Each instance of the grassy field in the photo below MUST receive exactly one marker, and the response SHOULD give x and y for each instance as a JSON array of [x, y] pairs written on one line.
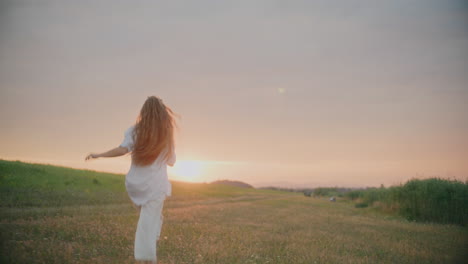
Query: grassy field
[[59, 215]]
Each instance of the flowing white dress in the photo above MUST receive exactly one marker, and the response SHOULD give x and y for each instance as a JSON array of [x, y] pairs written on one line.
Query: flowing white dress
[[144, 183], [147, 187]]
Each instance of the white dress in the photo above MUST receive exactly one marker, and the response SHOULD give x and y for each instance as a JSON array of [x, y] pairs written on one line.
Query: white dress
[[147, 187], [146, 183]]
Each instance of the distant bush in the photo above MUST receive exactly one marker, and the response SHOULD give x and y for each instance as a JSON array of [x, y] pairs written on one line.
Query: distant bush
[[330, 191], [434, 200], [361, 205], [321, 191], [283, 189], [372, 195], [437, 200]]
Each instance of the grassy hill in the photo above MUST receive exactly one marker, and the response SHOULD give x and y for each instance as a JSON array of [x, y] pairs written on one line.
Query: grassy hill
[[233, 183], [60, 215]]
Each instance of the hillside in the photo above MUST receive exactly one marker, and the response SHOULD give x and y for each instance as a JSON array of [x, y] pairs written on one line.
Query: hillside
[[59, 215], [233, 183]]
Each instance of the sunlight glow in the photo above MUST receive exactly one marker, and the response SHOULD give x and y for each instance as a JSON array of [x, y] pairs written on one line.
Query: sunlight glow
[[187, 170]]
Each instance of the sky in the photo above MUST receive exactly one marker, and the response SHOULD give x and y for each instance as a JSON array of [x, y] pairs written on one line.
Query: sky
[[273, 93]]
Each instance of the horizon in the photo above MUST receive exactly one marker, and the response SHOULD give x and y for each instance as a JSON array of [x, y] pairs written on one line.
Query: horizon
[[281, 185], [298, 93]]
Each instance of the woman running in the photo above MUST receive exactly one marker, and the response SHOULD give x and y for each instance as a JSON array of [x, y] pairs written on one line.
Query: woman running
[[151, 144]]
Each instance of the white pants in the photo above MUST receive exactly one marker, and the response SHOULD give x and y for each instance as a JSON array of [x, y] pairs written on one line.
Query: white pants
[[149, 229]]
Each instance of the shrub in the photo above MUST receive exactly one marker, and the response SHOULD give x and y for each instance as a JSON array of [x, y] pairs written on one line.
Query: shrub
[[433, 200], [361, 205], [436, 200]]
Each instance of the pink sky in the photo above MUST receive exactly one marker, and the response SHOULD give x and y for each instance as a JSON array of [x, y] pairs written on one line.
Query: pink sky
[[292, 94]]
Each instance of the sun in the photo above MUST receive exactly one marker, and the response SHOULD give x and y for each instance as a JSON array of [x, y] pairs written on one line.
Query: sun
[[187, 170]]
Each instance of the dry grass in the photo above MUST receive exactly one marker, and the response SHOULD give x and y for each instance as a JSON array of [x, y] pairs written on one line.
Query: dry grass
[[216, 224], [279, 228]]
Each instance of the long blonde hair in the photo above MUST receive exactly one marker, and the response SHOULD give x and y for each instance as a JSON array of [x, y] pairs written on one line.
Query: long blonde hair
[[154, 132]]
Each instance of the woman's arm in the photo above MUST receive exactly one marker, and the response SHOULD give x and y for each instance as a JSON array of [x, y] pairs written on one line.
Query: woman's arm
[[118, 151]]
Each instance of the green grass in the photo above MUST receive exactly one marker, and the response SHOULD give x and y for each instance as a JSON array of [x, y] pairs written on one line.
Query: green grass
[[23, 184], [59, 215], [428, 200]]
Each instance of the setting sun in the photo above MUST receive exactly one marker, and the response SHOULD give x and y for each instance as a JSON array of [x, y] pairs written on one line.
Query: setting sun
[[187, 170]]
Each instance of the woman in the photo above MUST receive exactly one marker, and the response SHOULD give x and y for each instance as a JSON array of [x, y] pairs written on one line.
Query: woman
[[151, 143]]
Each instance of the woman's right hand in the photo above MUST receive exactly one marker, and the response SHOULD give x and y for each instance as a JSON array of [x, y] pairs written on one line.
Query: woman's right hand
[[92, 156]]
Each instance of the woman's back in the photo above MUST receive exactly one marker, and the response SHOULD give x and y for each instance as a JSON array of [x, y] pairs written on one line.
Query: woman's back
[[145, 183]]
